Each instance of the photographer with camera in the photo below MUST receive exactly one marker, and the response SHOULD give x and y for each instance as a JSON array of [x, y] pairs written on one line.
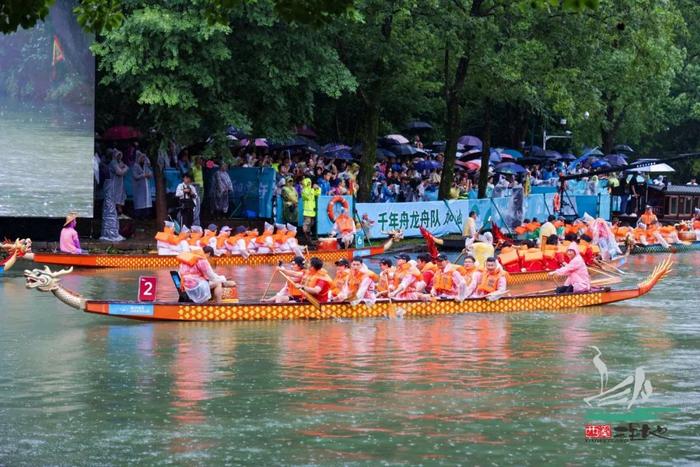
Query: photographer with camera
[[187, 194]]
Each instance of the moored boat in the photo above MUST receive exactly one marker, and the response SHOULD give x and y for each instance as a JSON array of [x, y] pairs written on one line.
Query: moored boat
[[48, 281], [658, 248]]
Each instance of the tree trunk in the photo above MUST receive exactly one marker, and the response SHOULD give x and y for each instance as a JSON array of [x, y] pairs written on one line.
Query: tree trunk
[[369, 151], [159, 177], [454, 119], [486, 151], [607, 132]]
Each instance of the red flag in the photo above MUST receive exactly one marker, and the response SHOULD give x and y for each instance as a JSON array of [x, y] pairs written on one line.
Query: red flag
[[57, 52], [432, 249]]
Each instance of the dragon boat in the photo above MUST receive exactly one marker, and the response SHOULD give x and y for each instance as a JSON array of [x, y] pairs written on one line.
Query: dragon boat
[[154, 261], [48, 281], [658, 248]]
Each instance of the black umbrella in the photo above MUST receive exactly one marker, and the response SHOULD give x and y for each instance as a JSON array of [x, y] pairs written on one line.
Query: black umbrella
[[298, 142], [623, 148], [382, 153], [405, 150], [418, 127]]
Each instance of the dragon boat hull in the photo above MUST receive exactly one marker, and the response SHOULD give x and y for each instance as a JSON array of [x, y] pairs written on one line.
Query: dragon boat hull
[[163, 261], [675, 248], [165, 311]]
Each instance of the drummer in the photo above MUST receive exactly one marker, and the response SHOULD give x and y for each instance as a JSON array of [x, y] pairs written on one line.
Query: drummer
[[345, 226], [290, 291]]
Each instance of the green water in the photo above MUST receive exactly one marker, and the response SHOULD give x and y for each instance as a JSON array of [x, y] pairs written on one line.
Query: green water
[[77, 389]]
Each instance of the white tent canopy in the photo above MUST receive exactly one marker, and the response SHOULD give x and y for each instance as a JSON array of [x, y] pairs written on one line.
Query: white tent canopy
[[656, 168]]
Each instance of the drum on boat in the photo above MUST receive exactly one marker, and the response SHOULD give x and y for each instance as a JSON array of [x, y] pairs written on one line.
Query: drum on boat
[[326, 244]]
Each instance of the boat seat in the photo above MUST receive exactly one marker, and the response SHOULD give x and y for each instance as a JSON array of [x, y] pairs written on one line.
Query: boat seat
[[177, 280]]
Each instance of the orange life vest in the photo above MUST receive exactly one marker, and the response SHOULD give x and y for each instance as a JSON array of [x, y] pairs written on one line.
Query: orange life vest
[[404, 270], [221, 239], [194, 238], [489, 281], [467, 274], [442, 282], [345, 223], [205, 239], [233, 240], [383, 283], [647, 219], [189, 258], [339, 281], [696, 224], [356, 278], [165, 235]]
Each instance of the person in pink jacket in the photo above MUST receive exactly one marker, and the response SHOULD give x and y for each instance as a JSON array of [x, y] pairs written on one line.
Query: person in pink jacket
[[576, 272], [68, 242]]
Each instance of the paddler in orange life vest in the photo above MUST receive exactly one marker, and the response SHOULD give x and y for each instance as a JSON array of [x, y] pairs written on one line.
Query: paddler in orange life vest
[[427, 269], [471, 274], [316, 281], [220, 241], [199, 279], [345, 226], [448, 282], [342, 272], [360, 284], [290, 292], [648, 218], [408, 281], [386, 276], [493, 281]]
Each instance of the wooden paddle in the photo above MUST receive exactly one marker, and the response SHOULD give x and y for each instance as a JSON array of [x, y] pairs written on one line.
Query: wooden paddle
[[269, 283], [306, 294], [596, 283]]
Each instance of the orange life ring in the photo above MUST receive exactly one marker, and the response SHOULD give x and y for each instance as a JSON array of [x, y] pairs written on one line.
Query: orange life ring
[[556, 202], [331, 206]]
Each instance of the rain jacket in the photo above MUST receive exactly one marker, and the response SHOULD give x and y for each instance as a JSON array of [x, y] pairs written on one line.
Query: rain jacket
[[575, 271], [308, 196]]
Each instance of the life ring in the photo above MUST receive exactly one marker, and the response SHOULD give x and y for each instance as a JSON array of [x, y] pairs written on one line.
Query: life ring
[[331, 206], [556, 202]]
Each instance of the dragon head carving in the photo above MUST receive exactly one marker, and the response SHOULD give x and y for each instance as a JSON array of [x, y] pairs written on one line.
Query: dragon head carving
[[21, 245], [44, 280]]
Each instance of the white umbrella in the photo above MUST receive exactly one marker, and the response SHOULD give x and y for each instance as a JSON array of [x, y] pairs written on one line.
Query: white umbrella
[[400, 139], [656, 168]]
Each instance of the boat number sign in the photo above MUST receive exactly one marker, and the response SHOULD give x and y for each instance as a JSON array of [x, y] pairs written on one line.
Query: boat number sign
[[147, 288]]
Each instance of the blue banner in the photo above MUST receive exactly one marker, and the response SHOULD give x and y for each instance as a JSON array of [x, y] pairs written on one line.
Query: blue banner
[[253, 190]]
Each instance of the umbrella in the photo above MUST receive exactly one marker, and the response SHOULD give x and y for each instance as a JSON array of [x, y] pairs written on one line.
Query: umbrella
[[623, 148], [509, 168], [549, 154], [334, 147], [344, 155], [567, 157], [536, 151], [121, 132], [507, 157], [427, 165], [616, 159], [494, 156], [298, 142], [235, 132], [259, 142], [656, 168], [305, 131], [418, 127], [404, 150], [390, 140], [469, 165], [599, 164], [382, 153], [514, 153], [468, 140], [470, 152], [592, 152]]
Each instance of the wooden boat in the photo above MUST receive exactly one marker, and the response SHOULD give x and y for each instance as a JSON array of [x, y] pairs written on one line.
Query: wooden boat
[[153, 261], [49, 281], [673, 248]]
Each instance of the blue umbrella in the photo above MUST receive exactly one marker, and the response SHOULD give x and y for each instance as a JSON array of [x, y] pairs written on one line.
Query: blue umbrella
[[592, 152], [567, 157], [403, 150], [427, 165], [623, 148], [334, 147], [513, 152], [509, 168], [468, 140], [616, 159], [550, 154], [600, 163], [344, 155], [536, 151], [494, 156]]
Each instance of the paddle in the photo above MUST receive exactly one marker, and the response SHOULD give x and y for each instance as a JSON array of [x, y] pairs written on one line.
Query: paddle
[[493, 296], [269, 283], [597, 283], [306, 294]]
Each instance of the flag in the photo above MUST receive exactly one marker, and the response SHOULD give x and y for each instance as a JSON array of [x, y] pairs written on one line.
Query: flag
[[57, 52]]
